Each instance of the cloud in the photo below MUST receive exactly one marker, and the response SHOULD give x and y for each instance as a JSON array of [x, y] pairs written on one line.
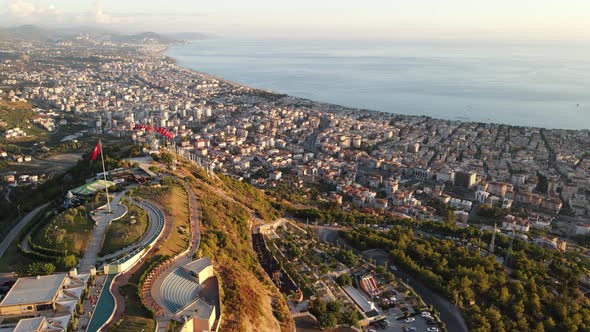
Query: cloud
[[25, 12], [101, 17], [23, 9], [20, 11]]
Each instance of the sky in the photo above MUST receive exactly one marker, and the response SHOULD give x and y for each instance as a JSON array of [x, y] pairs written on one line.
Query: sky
[[500, 19]]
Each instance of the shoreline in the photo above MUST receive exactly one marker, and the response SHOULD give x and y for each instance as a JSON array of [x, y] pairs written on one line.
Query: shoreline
[[344, 108]]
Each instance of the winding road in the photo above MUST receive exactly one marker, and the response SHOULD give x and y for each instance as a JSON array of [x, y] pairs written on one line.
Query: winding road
[[448, 313], [18, 227]]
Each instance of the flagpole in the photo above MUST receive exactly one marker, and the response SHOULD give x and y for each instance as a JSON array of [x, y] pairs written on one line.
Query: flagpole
[[104, 173]]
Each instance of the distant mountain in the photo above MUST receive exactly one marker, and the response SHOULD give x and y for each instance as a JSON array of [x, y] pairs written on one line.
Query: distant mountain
[[27, 32], [188, 36], [35, 33], [144, 37]]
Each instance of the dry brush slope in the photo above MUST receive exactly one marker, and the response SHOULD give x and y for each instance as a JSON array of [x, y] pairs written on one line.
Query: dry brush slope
[[250, 302]]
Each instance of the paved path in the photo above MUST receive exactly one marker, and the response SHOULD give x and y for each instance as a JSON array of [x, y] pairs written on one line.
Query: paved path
[[18, 227], [181, 259], [148, 235], [122, 279], [95, 290], [102, 218]]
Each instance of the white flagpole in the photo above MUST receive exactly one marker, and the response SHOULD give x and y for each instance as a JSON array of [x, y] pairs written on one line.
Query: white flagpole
[[104, 173]]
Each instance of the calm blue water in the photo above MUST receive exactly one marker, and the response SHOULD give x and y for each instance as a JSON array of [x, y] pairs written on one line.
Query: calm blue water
[[534, 84]]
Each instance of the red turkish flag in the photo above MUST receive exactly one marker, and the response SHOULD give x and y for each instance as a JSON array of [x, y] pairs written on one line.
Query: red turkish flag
[[96, 151]]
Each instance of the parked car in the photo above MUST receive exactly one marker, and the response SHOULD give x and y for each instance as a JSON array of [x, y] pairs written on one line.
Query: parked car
[[425, 314], [432, 329], [410, 319]]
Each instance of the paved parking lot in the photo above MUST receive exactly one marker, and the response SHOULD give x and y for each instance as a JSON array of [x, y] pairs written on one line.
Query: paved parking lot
[[398, 325]]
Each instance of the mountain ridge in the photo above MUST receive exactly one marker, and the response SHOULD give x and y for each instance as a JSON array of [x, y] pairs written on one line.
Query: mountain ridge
[[29, 32]]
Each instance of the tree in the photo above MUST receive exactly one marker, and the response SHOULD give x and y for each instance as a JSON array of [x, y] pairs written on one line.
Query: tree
[[450, 217], [334, 306], [328, 321], [167, 158], [347, 257], [38, 269], [542, 184], [70, 261], [351, 317], [504, 295], [167, 180], [344, 280]]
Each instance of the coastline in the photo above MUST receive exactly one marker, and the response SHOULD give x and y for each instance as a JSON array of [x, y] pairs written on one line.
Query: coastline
[[336, 107]]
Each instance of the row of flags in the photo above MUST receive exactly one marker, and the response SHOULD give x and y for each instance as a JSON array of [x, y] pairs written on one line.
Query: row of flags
[[160, 130]]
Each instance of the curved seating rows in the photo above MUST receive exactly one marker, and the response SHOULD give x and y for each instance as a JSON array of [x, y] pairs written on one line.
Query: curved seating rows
[[179, 289]]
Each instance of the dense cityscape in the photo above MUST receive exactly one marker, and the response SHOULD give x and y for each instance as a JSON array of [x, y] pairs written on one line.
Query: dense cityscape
[[366, 203]]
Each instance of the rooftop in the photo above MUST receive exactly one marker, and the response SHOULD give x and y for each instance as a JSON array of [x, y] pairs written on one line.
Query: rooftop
[[34, 290], [30, 324], [197, 308], [198, 265]]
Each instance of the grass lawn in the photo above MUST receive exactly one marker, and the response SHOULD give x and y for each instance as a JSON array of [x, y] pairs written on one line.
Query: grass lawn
[[13, 259], [136, 317], [69, 230], [125, 231], [174, 199]]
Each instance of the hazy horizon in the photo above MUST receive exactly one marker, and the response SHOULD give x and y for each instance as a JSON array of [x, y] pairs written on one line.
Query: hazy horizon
[[425, 19]]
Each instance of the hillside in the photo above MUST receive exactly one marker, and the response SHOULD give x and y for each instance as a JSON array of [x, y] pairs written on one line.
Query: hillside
[[250, 301], [15, 114], [27, 32], [188, 36], [39, 34], [144, 37]]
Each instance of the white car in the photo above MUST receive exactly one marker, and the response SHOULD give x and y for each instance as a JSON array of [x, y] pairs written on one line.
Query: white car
[[410, 319], [432, 329], [425, 314]]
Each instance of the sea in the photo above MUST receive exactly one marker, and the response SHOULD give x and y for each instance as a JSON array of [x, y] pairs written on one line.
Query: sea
[[538, 84]]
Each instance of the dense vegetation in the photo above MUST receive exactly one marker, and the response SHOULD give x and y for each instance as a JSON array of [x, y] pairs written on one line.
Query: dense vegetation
[[536, 291], [67, 232], [330, 314]]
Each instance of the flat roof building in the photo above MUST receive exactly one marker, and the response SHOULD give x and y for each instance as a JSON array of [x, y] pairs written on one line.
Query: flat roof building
[[52, 297]]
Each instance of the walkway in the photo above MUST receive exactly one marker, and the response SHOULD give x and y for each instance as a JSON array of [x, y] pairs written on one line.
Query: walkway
[[154, 292], [88, 306], [18, 227], [154, 228], [123, 279], [102, 218]]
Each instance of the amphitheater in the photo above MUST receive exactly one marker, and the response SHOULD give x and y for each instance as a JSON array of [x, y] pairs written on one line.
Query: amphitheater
[[190, 293]]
